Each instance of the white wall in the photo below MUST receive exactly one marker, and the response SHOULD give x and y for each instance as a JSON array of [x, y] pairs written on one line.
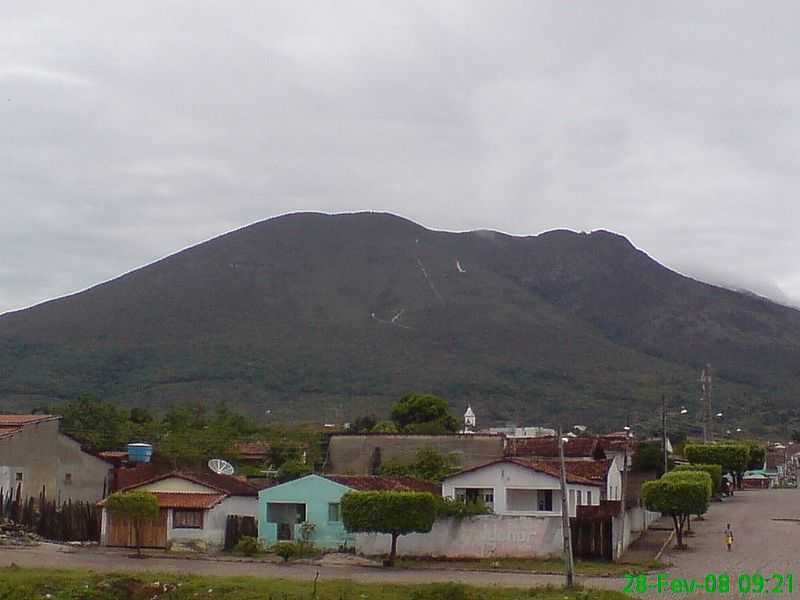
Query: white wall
[[478, 537], [177, 484], [212, 536], [614, 479], [637, 520], [505, 475]]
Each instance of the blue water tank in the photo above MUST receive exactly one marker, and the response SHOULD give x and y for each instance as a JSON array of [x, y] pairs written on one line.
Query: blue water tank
[[140, 453]]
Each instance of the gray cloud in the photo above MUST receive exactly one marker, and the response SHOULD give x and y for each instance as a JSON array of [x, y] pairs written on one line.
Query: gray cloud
[[129, 132]]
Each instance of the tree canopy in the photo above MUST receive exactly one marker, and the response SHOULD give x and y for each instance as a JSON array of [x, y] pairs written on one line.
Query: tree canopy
[[428, 465], [679, 496], [292, 469], [395, 513], [733, 458], [424, 413], [714, 471]]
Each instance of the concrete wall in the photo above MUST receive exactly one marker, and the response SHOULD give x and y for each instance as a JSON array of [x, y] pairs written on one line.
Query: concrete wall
[[212, 536], [354, 454], [637, 520], [45, 457], [88, 474], [478, 537], [502, 476], [316, 493]]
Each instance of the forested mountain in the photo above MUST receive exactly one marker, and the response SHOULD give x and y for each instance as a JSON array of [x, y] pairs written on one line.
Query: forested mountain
[[325, 317]]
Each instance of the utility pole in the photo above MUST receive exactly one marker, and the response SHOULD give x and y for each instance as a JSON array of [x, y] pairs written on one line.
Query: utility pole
[[705, 386], [664, 429], [569, 564]]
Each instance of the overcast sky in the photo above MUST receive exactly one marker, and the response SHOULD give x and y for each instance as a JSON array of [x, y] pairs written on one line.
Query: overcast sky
[[130, 130]]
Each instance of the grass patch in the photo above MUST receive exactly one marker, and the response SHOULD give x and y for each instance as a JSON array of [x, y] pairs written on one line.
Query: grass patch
[[533, 565], [30, 584]]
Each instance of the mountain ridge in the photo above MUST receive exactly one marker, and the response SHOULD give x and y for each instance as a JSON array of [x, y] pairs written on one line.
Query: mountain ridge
[[339, 314]]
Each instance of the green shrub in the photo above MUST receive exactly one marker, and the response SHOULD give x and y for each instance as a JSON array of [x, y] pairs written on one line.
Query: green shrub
[[249, 546], [286, 550], [447, 507], [715, 471]]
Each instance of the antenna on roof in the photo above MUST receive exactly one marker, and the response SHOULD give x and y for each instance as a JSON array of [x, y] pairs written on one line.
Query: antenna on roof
[[220, 466]]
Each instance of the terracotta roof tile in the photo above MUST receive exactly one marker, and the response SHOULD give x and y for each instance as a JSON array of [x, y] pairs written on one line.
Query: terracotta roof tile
[[12, 424], [22, 420], [185, 500], [547, 447], [130, 478], [366, 483], [551, 468], [252, 449]]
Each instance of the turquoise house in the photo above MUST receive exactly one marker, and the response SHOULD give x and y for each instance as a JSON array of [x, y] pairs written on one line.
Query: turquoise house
[[315, 499]]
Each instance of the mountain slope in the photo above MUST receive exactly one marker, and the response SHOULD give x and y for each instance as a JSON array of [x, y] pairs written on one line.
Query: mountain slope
[[323, 316]]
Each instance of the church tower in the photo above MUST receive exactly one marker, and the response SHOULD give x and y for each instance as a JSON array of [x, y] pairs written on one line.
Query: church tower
[[469, 420]]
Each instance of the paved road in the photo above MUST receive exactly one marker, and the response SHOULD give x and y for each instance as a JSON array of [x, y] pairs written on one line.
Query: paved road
[[761, 544]]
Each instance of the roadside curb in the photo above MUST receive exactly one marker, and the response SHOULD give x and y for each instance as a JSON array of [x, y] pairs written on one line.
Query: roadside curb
[[664, 546]]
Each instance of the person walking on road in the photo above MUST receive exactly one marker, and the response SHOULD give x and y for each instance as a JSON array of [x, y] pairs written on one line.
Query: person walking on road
[[728, 536]]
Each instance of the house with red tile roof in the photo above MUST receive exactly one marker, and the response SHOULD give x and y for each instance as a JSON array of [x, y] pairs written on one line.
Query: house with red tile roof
[[512, 486], [310, 505], [194, 508], [35, 456]]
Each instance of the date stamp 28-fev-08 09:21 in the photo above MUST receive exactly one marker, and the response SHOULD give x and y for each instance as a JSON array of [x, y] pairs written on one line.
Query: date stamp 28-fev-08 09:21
[[712, 583]]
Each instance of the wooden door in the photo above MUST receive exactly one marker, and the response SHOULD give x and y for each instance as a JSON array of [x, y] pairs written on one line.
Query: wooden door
[[154, 533]]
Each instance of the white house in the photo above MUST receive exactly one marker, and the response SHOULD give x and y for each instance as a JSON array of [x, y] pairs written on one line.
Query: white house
[[516, 487], [194, 511]]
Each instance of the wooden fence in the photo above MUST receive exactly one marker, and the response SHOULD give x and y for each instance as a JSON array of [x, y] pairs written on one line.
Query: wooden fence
[[237, 527], [70, 522]]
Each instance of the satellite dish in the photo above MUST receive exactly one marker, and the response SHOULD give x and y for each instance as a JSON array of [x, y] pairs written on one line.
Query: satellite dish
[[220, 466]]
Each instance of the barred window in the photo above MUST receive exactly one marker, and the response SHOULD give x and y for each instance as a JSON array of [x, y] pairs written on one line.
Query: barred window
[[187, 519]]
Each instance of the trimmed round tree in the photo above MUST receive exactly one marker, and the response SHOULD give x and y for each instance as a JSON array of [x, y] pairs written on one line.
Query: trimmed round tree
[[733, 458], [678, 496], [138, 507], [714, 471], [395, 513]]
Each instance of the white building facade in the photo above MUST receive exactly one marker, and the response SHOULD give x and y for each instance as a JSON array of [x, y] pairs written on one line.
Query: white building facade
[[512, 488]]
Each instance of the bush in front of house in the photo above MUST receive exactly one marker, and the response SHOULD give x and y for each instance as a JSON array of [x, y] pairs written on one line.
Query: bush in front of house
[[457, 509], [249, 546], [290, 550], [286, 550]]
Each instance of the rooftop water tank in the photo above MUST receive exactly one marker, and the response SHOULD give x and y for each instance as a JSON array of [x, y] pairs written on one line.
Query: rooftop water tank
[[140, 453]]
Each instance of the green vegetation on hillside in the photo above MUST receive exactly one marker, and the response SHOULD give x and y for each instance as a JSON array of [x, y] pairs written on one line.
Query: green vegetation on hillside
[[325, 317]]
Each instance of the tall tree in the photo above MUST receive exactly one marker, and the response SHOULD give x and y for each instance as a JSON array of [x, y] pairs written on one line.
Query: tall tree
[[95, 423], [424, 413]]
